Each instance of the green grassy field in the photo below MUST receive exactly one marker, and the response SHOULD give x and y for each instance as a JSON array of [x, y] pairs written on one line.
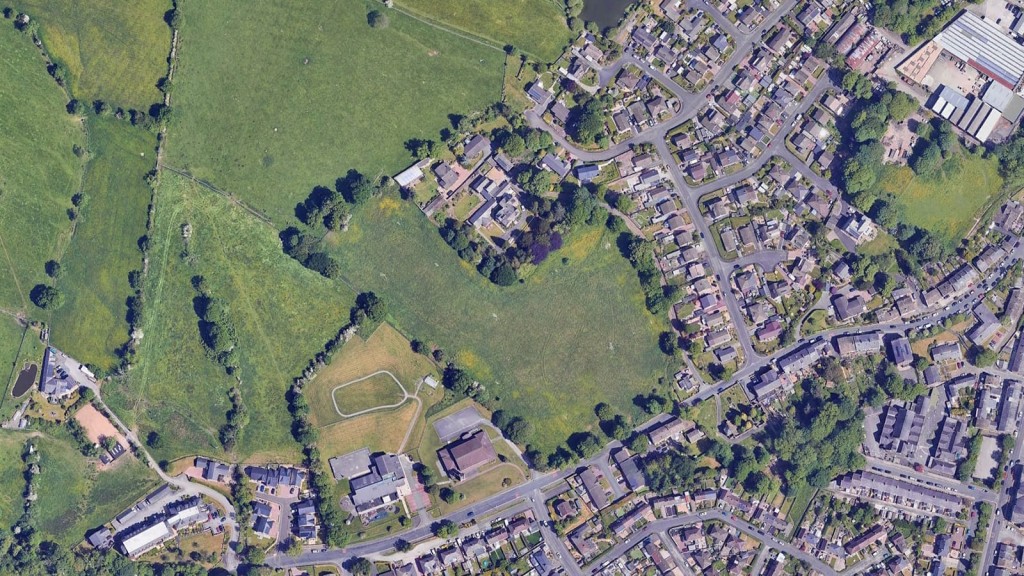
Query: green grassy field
[[323, 93], [115, 51], [282, 313], [74, 497], [104, 249], [38, 171], [576, 330], [385, 349], [534, 26], [378, 390], [946, 206], [12, 481]]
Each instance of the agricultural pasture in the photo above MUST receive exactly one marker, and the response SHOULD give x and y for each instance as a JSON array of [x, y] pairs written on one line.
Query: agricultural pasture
[[536, 27], [114, 51], [572, 330], [38, 170], [324, 93], [946, 205], [12, 479], [385, 349], [375, 391], [74, 497], [104, 248], [282, 314]]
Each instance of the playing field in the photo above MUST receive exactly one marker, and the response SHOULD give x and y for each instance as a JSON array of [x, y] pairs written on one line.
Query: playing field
[[75, 498], [533, 26], [38, 171], [572, 331], [946, 206], [385, 349], [282, 313], [323, 93], [375, 391], [104, 249], [115, 51]]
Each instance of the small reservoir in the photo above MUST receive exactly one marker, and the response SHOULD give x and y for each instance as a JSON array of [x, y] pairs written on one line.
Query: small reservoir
[[26, 378], [604, 13]]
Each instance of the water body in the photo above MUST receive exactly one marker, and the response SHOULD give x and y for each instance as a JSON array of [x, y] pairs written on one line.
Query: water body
[[604, 13], [25, 380]]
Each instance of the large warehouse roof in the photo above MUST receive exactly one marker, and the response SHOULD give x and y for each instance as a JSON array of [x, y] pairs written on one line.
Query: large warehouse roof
[[985, 47]]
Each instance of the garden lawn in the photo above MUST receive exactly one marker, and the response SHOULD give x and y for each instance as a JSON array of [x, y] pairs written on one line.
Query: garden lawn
[[38, 170], [377, 390], [91, 325], [324, 93], [948, 205], [385, 349], [534, 26], [571, 336], [74, 497], [115, 51], [283, 315]]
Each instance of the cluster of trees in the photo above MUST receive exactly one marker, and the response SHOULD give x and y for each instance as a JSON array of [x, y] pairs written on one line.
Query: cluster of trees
[[216, 330], [914, 20], [863, 169], [369, 311], [237, 418], [520, 141], [490, 263], [1011, 159], [587, 119], [576, 206], [305, 249], [512, 427], [965, 469], [640, 254], [819, 435], [674, 470]]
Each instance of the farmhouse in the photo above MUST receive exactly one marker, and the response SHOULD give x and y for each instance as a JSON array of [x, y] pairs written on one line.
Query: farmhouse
[[464, 457]]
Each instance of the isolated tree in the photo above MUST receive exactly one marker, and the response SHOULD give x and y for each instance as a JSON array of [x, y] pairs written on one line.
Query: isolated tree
[[377, 19], [444, 529], [361, 567], [46, 297], [154, 440], [53, 269], [504, 275]]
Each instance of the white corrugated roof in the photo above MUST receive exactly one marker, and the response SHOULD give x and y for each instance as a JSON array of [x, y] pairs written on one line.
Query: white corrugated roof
[[973, 39]]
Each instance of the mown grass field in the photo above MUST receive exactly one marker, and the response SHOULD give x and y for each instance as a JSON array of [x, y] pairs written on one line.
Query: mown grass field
[[282, 313], [385, 349], [377, 390], [570, 331], [38, 170], [74, 497], [104, 249], [323, 93], [534, 26], [115, 51], [946, 205]]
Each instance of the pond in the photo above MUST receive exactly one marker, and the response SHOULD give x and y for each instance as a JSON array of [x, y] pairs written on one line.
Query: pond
[[25, 380], [604, 13]]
